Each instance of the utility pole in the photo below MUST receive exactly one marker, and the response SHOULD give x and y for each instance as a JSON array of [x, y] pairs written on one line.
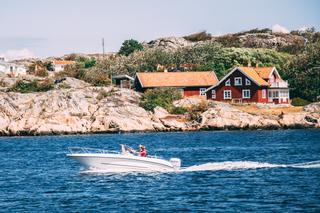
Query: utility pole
[[103, 47]]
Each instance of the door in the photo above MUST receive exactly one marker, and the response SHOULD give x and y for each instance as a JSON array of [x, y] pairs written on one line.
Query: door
[[270, 97]]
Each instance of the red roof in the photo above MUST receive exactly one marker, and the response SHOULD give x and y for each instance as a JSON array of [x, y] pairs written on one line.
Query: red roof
[[61, 62], [264, 72], [254, 75], [176, 79]]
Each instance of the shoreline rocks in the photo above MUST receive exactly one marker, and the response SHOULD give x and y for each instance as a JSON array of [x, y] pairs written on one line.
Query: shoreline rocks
[[91, 110]]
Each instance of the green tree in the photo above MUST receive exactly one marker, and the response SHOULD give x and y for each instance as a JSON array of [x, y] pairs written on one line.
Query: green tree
[[130, 46], [304, 73]]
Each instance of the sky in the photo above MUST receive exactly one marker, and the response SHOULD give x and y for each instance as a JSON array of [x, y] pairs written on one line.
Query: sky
[[42, 28]]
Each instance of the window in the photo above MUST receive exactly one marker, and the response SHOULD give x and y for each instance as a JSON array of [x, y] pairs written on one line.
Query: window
[[246, 93], [202, 91], [228, 82], [284, 94], [274, 94], [227, 94], [213, 94], [264, 93], [237, 81], [248, 82]]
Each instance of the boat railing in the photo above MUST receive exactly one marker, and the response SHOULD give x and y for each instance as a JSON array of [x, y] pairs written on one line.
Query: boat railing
[[83, 150]]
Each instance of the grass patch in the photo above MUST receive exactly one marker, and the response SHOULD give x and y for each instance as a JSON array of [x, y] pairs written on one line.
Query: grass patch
[[253, 109]]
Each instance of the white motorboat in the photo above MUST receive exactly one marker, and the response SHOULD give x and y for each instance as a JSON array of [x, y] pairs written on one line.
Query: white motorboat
[[124, 161]]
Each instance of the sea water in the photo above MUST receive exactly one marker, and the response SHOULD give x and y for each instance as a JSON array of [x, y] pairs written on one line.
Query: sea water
[[227, 171]]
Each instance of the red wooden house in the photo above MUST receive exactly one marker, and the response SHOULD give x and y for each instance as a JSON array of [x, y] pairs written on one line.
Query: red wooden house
[[251, 84], [190, 83]]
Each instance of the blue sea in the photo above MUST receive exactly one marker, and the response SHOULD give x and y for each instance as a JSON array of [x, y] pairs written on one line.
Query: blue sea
[[224, 171]]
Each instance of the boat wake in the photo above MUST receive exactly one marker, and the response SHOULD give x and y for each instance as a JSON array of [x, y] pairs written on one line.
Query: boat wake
[[225, 166], [245, 165]]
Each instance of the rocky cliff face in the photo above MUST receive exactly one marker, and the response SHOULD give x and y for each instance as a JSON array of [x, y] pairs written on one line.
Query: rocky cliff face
[[107, 109], [255, 40]]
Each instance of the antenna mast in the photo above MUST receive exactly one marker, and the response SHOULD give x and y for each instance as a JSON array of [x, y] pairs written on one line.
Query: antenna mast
[[103, 47]]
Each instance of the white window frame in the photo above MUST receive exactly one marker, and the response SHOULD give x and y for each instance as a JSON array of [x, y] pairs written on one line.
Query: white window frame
[[227, 83], [248, 82], [202, 91], [244, 95], [213, 94], [238, 83], [225, 96], [264, 93]]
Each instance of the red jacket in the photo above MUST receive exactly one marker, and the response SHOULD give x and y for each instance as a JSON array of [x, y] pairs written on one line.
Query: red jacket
[[143, 153]]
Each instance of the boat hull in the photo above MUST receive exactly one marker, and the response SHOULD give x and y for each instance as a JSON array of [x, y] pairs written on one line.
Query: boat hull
[[122, 163]]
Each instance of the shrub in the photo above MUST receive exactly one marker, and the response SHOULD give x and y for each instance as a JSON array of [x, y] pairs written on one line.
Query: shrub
[[103, 94], [299, 102], [195, 111], [255, 31], [96, 78], [39, 68], [41, 73], [33, 86], [200, 36], [177, 110], [162, 97], [89, 63]]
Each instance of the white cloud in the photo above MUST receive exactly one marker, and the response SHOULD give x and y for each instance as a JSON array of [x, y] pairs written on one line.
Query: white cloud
[[279, 29], [14, 54]]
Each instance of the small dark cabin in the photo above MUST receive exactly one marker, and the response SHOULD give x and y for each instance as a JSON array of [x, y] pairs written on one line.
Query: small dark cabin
[[122, 81]]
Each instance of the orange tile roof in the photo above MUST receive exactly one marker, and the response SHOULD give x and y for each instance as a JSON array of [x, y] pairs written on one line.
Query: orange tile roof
[[263, 72], [61, 62], [253, 74], [176, 79]]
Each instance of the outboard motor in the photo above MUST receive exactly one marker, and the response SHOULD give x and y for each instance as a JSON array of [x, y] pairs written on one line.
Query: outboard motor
[[176, 163]]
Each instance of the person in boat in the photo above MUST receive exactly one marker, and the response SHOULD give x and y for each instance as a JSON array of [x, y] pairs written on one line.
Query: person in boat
[[142, 151]]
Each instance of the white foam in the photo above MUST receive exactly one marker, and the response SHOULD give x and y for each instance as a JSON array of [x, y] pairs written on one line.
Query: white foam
[[230, 165], [226, 166], [308, 165], [244, 165]]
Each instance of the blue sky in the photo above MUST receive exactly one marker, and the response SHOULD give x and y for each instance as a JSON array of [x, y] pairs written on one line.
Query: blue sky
[[56, 27]]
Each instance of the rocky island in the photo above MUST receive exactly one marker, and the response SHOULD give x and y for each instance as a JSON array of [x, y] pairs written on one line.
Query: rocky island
[[83, 109], [75, 93]]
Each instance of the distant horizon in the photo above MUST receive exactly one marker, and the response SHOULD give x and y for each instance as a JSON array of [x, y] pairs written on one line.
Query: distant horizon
[[54, 28]]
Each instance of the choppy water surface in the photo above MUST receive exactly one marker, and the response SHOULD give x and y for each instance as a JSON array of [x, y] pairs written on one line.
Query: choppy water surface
[[275, 171]]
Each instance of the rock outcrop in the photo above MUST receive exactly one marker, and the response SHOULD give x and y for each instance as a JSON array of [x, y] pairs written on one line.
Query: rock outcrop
[[168, 43], [87, 109], [224, 116], [250, 40]]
